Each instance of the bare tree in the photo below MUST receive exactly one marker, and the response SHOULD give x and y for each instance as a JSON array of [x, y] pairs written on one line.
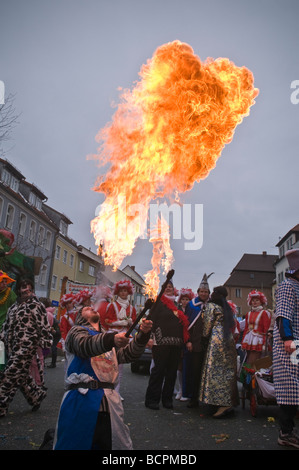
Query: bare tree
[[8, 118]]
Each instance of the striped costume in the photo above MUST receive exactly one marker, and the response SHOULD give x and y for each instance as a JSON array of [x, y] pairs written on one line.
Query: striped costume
[[286, 367], [92, 357]]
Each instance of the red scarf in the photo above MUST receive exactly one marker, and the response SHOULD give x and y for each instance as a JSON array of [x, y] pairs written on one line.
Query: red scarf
[[178, 313]]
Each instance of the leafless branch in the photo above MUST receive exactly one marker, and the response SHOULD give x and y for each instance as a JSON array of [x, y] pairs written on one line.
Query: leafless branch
[[8, 118]]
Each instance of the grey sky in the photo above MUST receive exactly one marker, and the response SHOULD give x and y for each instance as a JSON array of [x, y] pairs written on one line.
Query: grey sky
[[65, 60]]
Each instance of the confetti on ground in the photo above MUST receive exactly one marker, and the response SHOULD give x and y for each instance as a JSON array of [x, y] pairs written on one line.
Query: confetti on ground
[[34, 444], [220, 437]]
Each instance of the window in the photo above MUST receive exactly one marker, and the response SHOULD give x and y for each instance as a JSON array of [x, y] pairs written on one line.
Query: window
[[91, 270], [280, 277], [1, 206], [14, 184], [6, 177], [239, 293], [64, 257], [81, 266], [9, 216], [58, 250], [48, 240], [71, 260], [289, 243], [22, 224], [54, 282], [35, 201], [63, 227], [32, 231], [41, 236], [32, 199], [43, 275], [281, 251], [38, 203]]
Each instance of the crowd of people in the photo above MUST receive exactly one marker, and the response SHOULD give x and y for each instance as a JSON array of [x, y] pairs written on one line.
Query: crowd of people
[[196, 341]]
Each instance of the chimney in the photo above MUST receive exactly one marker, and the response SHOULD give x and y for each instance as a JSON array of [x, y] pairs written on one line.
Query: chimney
[[133, 267], [264, 253]]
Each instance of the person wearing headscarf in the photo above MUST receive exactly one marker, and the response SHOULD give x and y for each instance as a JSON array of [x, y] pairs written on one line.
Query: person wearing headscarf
[[219, 373], [91, 415], [195, 348], [257, 323], [285, 356]]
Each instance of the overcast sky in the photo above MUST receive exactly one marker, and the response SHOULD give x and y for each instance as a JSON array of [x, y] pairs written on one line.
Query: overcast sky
[[65, 60]]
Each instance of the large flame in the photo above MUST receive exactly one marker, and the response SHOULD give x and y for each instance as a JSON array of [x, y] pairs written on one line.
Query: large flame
[[166, 134], [162, 255]]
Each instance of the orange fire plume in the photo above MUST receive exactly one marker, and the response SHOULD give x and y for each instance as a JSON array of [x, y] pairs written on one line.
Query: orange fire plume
[[166, 134], [162, 255]]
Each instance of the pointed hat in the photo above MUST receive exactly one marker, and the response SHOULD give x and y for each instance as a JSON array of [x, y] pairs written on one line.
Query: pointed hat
[[204, 282]]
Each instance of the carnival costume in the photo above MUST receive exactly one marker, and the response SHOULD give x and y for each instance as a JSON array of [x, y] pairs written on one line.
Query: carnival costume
[[68, 318], [193, 361], [170, 332], [219, 373], [103, 297], [120, 314], [92, 371], [257, 323], [7, 297], [25, 330]]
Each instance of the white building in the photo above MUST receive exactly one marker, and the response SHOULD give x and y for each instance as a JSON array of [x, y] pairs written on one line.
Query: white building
[[288, 242]]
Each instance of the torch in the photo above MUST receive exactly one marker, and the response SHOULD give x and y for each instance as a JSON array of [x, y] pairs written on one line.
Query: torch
[[150, 304]]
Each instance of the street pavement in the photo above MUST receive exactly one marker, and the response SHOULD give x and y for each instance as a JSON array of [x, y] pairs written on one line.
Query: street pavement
[[163, 430]]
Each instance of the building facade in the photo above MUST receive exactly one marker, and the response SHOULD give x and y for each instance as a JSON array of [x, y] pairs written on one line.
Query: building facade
[[253, 271], [288, 242], [22, 214]]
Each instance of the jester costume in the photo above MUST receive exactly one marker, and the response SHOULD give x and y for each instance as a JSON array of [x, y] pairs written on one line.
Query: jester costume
[[91, 412]]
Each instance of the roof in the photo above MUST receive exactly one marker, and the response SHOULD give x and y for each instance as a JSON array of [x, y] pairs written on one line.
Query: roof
[[283, 239], [35, 189], [12, 168], [252, 262], [130, 271], [254, 271], [21, 199]]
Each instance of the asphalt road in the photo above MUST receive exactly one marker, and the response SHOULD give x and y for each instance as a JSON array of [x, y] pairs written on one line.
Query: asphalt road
[[180, 429]]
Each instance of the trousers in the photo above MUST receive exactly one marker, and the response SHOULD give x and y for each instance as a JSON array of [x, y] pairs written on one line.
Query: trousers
[[17, 376], [163, 374], [287, 414]]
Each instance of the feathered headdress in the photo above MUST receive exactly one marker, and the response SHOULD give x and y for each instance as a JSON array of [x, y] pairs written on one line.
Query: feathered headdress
[[125, 283], [256, 293], [67, 298], [186, 292]]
